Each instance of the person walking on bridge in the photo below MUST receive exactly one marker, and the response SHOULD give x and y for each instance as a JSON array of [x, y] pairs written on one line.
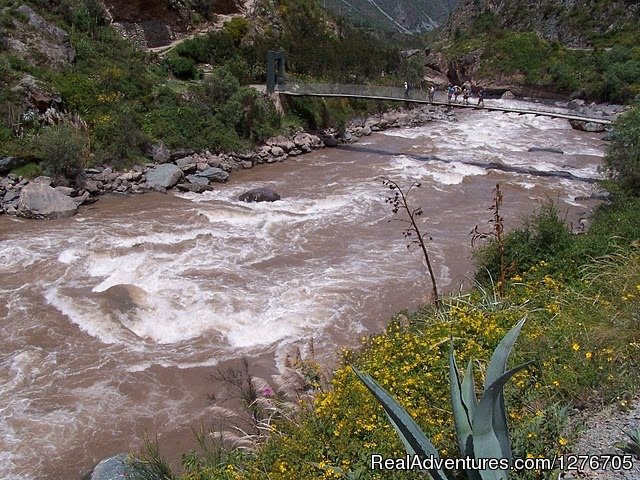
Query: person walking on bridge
[[432, 93], [481, 97], [406, 90], [465, 95]]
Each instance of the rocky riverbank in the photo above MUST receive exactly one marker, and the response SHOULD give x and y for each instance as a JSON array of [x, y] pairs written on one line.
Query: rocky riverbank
[[184, 170]]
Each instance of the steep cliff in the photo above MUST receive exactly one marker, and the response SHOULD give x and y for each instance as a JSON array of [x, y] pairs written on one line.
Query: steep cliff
[[405, 16]]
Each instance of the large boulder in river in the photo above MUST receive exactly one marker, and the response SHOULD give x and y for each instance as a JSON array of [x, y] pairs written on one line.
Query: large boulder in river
[[114, 468], [259, 195], [166, 175], [38, 200]]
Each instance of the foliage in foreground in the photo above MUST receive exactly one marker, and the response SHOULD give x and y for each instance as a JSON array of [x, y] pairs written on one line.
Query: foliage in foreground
[[581, 334], [481, 425]]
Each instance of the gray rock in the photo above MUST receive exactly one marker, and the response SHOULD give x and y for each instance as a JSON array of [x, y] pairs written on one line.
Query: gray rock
[[197, 180], [84, 198], [575, 104], [609, 136], [68, 191], [9, 163], [366, 130], [277, 151], [214, 174], [550, 150], [42, 180], [41, 201], [41, 24], [181, 153], [508, 95], [166, 176], [187, 163], [193, 187], [602, 195], [160, 153], [114, 468], [10, 199], [328, 140], [586, 126], [259, 195], [91, 186]]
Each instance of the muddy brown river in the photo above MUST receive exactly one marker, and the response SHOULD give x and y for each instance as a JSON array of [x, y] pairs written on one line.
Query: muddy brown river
[[113, 320]]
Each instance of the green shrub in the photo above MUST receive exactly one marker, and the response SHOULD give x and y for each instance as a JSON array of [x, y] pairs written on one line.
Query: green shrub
[[218, 87], [183, 68], [543, 235], [236, 28], [196, 48], [623, 157], [118, 137], [258, 118], [63, 150]]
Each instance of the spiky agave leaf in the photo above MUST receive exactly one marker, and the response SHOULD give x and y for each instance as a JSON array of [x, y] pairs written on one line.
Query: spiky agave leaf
[[464, 402], [415, 441], [486, 443], [497, 367], [461, 416], [469, 390]]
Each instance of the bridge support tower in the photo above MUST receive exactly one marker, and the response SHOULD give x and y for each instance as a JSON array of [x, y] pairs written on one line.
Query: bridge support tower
[[275, 70]]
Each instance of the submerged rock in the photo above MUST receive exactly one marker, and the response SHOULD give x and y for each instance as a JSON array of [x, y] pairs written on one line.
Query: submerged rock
[[259, 195], [194, 187], [550, 150], [38, 200]]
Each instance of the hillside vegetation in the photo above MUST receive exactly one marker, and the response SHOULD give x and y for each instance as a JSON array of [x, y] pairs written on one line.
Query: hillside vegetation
[[586, 48], [121, 99]]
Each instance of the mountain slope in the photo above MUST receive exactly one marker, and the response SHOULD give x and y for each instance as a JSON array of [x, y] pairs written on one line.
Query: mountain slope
[[405, 16], [574, 23], [585, 48]]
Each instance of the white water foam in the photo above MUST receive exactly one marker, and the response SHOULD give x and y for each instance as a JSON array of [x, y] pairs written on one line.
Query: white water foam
[[444, 173]]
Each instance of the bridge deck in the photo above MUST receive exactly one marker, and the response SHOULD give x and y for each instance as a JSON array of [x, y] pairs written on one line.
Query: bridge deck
[[412, 99]]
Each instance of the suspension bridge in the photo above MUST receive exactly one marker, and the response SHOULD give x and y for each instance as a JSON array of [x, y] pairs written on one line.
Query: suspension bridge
[[398, 94]]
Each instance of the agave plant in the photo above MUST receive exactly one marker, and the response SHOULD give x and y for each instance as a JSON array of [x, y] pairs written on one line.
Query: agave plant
[[481, 425], [631, 446]]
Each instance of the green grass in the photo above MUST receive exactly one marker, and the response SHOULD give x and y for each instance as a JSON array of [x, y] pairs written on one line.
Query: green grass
[[30, 171]]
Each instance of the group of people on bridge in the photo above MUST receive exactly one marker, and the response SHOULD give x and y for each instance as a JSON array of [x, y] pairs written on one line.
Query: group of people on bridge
[[453, 93]]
